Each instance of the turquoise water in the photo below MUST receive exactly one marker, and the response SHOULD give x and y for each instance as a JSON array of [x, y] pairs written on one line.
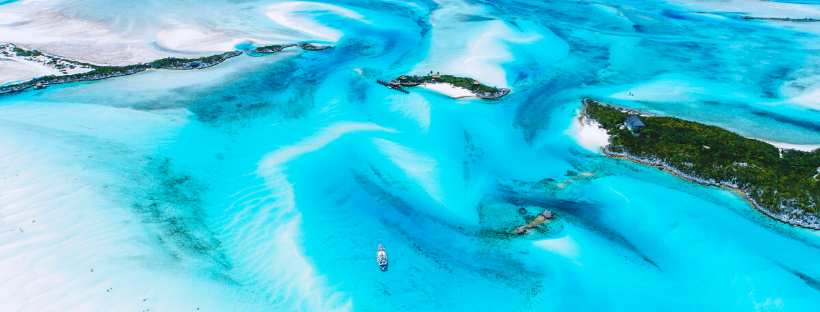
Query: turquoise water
[[272, 179]]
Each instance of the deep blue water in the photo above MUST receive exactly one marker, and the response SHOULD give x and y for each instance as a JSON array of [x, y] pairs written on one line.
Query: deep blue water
[[274, 178]]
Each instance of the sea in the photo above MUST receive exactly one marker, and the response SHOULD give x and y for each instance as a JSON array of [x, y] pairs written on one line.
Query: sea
[[266, 183]]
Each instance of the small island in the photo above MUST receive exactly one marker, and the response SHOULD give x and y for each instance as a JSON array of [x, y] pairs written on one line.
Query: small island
[[782, 184], [471, 86], [271, 48], [307, 46], [781, 19]]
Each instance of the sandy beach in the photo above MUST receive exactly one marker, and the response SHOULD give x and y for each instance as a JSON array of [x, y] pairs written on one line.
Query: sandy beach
[[588, 134], [799, 147], [448, 89], [18, 68], [13, 70]]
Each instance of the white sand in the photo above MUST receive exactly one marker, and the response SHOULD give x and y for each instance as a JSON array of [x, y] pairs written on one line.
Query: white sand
[[799, 147], [44, 28], [588, 134], [62, 214], [809, 99], [199, 40], [591, 136], [480, 49], [296, 15], [448, 89], [14, 70]]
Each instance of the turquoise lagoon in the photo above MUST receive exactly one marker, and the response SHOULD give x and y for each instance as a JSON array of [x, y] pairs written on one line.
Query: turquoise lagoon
[[266, 183]]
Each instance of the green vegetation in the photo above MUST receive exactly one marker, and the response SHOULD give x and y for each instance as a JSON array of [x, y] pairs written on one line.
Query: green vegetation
[[461, 82], [172, 62], [272, 48], [778, 184], [101, 72], [24, 52]]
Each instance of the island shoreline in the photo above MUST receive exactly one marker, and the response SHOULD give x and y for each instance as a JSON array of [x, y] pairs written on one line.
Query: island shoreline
[[662, 165], [673, 171]]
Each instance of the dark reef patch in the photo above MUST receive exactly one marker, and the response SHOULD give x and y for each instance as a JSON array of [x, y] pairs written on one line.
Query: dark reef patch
[[170, 202], [581, 214], [495, 265], [812, 282]]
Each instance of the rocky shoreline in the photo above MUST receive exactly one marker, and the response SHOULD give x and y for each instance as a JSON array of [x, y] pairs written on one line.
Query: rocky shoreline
[[492, 95], [789, 215], [792, 217]]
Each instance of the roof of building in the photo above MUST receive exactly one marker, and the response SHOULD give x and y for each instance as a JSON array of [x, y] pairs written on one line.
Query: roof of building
[[475, 82], [436, 76], [634, 121], [394, 81]]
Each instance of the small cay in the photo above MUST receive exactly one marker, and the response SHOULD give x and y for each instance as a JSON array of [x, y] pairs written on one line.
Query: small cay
[[307, 46], [781, 19], [474, 86], [542, 217]]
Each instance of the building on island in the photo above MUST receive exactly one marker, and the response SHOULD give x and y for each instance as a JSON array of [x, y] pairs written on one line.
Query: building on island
[[394, 82], [633, 123], [476, 83], [436, 76]]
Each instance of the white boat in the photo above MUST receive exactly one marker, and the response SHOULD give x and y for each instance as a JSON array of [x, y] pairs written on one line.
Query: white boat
[[381, 257]]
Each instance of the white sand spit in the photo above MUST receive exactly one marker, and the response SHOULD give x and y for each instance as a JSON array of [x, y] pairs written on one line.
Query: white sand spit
[[588, 134], [448, 89], [14, 67], [297, 15], [14, 70]]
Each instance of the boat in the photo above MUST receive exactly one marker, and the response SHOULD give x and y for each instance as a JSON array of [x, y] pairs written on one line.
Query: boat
[[39, 86], [381, 257]]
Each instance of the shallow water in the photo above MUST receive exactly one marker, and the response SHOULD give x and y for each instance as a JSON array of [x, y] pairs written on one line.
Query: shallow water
[[266, 183]]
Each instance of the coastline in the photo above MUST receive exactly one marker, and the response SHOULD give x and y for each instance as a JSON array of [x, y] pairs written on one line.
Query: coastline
[[812, 224], [587, 133], [455, 87], [807, 222]]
